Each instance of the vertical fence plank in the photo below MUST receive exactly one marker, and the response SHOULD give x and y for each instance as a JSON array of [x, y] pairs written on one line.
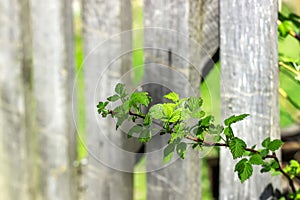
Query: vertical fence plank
[[172, 44], [15, 91], [53, 81], [105, 65], [249, 77]]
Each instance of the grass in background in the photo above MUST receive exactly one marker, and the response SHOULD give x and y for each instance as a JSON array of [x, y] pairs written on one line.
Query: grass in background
[[81, 150], [139, 177], [288, 114], [138, 40], [210, 93], [289, 47], [140, 180], [205, 183]]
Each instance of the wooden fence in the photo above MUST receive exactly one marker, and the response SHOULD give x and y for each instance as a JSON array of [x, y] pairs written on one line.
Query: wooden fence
[[38, 147]]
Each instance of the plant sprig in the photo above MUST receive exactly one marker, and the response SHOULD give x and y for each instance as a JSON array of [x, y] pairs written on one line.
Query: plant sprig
[[174, 118]]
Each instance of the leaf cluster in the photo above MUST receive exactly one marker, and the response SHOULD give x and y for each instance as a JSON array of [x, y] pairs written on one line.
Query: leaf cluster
[[174, 118]]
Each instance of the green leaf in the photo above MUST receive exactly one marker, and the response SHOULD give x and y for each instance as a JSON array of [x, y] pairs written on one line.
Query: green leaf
[[121, 113], [119, 89], [140, 98], [289, 25], [175, 139], [198, 131], [198, 114], [247, 153], [195, 145], [168, 109], [147, 120], [256, 159], [216, 129], [282, 29], [237, 147], [157, 111], [228, 132], [244, 169], [295, 164], [181, 149], [175, 116], [264, 152], [234, 119], [123, 109], [145, 136], [120, 120], [179, 127], [113, 98], [135, 129], [101, 106], [168, 152], [240, 164], [172, 96], [276, 173], [194, 103], [274, 165], [206, 121], [266, 142], [275, 145], [200, 135], [185, 114], [266, 167]]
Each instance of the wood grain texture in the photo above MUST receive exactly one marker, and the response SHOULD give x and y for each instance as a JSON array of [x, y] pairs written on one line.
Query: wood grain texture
[[15, 102], [249, 77], [111, 155], [53, 69], [174, 58], [204, 23]]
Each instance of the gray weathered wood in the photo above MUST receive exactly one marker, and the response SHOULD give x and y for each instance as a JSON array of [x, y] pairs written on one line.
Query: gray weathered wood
[[110, 156], [53, 69], [15, 102], [249, 77], [174, 58], [209, 33]]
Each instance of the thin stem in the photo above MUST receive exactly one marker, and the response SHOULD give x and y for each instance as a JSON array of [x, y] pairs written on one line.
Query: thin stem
[[284, 94], [293, 33], [285, 66], [143, 117], [222, 138], [291, 183], [209, 144]]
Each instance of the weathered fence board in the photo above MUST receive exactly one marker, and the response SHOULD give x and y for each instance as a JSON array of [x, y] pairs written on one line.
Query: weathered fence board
[[110, 155], [174, 59], [15, 102], [249, 77], [204, 29], [53, 69]]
